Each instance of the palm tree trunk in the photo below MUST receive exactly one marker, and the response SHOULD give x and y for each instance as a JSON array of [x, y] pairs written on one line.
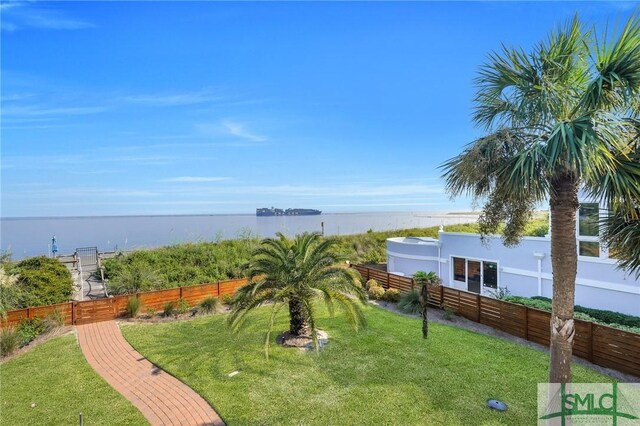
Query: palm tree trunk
[[298, 324], [564, 261], [424, 300]]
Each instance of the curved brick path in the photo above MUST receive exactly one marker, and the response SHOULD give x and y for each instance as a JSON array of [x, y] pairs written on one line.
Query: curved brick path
[[163, 399]]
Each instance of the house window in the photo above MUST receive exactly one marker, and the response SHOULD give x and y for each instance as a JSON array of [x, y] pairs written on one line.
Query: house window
[[589, 248], [490, 274], [588, 232], [588, 220], [479, 275], [459, 270]]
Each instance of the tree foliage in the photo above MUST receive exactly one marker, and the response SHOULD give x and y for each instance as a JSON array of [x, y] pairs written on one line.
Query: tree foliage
[[296, 273], [566, 109]]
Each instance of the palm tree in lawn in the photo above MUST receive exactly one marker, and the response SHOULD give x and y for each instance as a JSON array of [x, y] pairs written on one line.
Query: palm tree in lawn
[[423, 279], [559, 118], [295, 273]]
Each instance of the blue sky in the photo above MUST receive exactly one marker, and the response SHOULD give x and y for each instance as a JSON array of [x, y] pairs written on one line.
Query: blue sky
[[199, 107]]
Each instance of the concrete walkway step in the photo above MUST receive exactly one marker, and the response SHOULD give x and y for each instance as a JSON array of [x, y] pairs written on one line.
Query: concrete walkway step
[[162, 399]]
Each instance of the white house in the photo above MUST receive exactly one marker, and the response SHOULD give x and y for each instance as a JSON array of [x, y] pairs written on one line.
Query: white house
[[463, 262]]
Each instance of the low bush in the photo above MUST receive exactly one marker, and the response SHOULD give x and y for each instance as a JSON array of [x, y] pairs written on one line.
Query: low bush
[[29, 329], [371, 283], [210, 305], [54, 320], [227, 299], [392, 295], [10, 340], [410, 303], [598, 316], [375, 292], [135, 277], [151, 311], [42, 281], [133, 307], [601, 315], [449, 314], [169, 309], [182, 307]]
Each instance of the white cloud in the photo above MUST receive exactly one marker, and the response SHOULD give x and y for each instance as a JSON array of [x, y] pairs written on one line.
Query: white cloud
[[239, 130], [44, 111], [196, 179], [175, 99], [22, 15]]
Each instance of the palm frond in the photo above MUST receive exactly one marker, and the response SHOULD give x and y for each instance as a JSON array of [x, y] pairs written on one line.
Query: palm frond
[[616, 81]]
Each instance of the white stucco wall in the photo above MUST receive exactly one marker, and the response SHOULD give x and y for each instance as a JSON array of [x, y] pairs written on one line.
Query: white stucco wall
[[599, 284]]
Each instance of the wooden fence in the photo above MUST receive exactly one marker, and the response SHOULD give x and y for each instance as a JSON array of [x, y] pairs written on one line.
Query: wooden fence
[[605, 346], [90, 311]]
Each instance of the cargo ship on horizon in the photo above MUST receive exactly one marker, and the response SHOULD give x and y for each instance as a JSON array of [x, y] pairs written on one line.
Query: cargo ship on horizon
[[265, 211]]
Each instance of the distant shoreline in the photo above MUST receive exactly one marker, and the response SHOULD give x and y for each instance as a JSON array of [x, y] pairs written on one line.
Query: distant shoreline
[[417, 213]]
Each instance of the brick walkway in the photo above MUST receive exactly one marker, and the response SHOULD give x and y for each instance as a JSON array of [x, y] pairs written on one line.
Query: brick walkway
[[163, 399]]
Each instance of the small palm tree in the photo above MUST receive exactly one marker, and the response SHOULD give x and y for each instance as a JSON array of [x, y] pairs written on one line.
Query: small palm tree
[[295, 273], [423, 279]]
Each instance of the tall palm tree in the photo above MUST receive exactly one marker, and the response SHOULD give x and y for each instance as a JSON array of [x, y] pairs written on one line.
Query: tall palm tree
[[296, 273], [559, 118]]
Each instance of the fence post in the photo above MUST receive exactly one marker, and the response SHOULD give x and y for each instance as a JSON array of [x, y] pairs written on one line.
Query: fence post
[[479, 309], [180, 292], [478, 298], [412, 284], [526, 322], [218, 288], [591, 339], [73, 313], [30, 313]]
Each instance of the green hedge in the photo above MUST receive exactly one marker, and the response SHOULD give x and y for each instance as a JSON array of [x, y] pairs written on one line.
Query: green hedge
[[598, 316], [607, 317], [42, 281]]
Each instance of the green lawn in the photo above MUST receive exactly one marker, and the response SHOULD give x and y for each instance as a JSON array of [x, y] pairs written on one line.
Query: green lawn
[[56, 377], [386, 374]]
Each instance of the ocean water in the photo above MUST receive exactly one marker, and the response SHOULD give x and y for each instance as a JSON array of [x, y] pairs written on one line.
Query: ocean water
[[26, 237]]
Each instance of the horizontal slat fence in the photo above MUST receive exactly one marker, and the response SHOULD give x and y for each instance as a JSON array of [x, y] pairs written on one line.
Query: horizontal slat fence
[[601, 345], [90, 311]]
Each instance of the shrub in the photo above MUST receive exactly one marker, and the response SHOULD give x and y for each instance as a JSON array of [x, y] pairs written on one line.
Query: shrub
[[29, 329], [43, 281], [10, 294], [227, 299], [135, 277], [371, 283], [532, 303], [448, 314], [610, 317], [601, 315], [375, 292], [392, 295], [410, 303], [133, 307], [54, 320], [169, 309], [151, 311], [10, 340], [182, 307], [501, 293], [210, 305]]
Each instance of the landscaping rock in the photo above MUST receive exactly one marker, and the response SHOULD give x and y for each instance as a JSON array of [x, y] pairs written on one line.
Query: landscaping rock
[[304, 343]]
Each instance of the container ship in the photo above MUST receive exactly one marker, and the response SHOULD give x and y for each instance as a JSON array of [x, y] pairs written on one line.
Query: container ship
[[265, 211]]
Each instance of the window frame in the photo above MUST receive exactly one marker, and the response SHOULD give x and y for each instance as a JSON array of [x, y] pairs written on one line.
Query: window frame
[[482, 261]]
